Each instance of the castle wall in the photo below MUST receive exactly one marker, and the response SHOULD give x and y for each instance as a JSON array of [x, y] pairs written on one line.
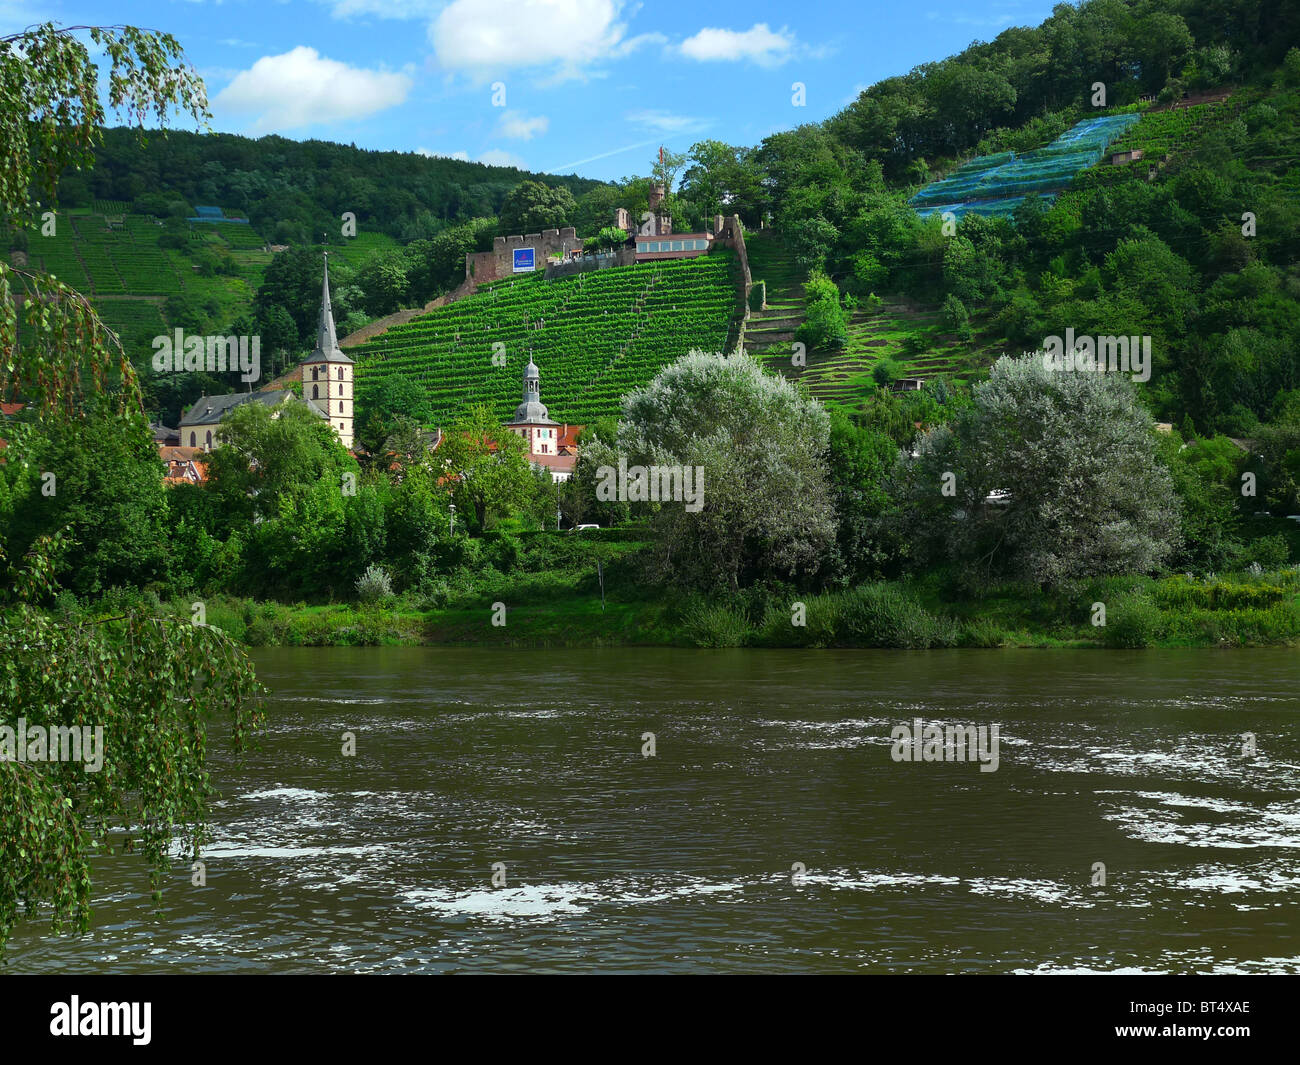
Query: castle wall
[[498, 263]]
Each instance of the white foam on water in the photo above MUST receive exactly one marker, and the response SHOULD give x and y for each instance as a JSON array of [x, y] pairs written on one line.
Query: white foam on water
[[296, 794]]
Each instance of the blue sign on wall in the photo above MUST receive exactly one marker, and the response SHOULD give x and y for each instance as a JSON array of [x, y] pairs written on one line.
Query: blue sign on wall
[[524, 260]]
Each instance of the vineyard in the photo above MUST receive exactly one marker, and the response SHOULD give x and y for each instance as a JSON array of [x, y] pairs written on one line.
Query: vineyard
[[995, 185], [128, 276], [595, 336]]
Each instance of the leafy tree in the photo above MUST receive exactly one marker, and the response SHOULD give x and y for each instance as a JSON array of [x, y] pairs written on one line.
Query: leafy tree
[[487, 465], [268, 460], [534, 206], [151, 684], [765, 505], [1085, 492]]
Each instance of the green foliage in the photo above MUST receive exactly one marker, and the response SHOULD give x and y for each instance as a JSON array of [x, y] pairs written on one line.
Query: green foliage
[[825, 325], [764, 506], [375, 585], [532, 206], [885, 615], [1132, 622], [1085, 493]]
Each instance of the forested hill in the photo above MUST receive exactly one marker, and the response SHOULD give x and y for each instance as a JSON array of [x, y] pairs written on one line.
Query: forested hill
[[293, 191]]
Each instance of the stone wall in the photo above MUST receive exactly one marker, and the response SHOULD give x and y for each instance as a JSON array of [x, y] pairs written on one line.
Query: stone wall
[[618, 257], [498, 263], [729, 233]]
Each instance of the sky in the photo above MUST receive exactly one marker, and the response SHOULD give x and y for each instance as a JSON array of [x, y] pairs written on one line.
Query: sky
[[590, 87]]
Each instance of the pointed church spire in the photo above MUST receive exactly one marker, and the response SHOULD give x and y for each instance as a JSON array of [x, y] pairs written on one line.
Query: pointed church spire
[[327, 343]]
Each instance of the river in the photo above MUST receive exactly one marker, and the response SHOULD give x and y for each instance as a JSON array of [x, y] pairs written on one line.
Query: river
[[685, 861]]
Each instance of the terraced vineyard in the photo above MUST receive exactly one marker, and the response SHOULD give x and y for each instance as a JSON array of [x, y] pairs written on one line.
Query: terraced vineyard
[[875, 335], [128, 276], [595, 337]]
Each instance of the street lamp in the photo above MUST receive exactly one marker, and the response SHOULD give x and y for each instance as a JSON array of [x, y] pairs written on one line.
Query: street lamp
[[557, 519], [452, 508]]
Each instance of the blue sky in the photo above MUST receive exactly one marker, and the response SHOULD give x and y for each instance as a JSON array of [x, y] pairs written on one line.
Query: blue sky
[[566, 86]]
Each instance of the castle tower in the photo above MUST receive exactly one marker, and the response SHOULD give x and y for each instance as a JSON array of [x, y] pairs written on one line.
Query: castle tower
[[327, 373]]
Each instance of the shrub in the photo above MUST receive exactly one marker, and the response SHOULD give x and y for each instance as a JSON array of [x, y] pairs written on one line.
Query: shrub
[[375, 585], [882, 615], [708, 624], [821, 620], [1133, 622]]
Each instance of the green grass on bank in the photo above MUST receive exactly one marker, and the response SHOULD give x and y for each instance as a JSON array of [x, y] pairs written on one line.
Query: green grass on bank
[[565, 610]]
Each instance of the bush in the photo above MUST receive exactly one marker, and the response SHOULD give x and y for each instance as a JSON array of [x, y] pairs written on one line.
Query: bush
[[1133, 622], [708, 624], [821, 620], [375, 585], [882, 615], [1269, 552]]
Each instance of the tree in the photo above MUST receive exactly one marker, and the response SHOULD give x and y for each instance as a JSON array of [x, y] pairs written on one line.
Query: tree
[[764, 505], [486, 465], [533, 206], [1082, 490], [667, 166], [151, 684], [268, 460]]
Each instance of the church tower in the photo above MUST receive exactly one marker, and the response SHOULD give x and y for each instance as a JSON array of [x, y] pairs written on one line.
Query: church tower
[[327, 373], [532, 421]]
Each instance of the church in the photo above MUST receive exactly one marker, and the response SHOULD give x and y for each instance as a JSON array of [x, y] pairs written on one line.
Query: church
[[551, 446], [327, 380]]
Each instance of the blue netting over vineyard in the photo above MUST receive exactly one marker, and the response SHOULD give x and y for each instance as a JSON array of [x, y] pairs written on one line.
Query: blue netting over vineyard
[[997, 184]]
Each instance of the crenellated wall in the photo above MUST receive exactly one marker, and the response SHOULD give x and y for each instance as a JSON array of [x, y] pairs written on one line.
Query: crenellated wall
[[498, 263]]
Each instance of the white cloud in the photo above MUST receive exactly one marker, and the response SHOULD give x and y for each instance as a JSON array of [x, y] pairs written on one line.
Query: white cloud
[[303, 88], [494, 36], [429, 153], [757, 43], [518, 126], [497, 157], [666, 122]]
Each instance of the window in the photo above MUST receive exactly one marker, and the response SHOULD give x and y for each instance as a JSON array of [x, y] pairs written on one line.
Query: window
[[314, 371], [209, 439], [315, 392], [192, 440], [340, 373], [340, 406], [643, 246], [677, 245]]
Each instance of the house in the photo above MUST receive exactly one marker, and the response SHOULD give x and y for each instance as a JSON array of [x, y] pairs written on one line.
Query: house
[[1122, 158], [183, 465], [550, 446], [163, 435]]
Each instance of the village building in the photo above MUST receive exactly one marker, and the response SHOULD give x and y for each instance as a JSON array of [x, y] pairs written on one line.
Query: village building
[[327, 380], [183, 465], [551, 446]]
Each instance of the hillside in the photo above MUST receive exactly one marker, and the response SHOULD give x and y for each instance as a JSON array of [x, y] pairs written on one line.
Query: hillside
[[594, 336]]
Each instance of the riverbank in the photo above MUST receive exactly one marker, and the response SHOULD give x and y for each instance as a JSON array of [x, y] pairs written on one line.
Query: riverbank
[[1244, 609]]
